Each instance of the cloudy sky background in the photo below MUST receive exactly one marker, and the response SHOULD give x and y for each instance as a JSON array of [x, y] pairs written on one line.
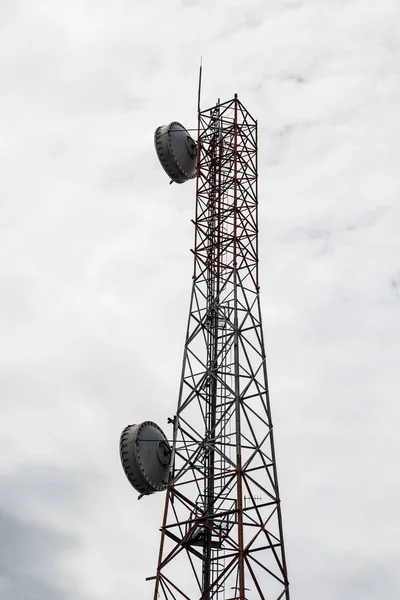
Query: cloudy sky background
[[95, 276]]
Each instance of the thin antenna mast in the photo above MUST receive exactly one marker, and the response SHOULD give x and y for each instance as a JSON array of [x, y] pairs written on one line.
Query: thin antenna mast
[[199, 92]]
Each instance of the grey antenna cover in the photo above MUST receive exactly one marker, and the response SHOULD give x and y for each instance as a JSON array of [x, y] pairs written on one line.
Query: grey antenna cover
[[176, 151], [145, 456]]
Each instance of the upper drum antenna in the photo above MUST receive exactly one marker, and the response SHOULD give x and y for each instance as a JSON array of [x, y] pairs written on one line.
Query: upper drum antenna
[[176, 151]]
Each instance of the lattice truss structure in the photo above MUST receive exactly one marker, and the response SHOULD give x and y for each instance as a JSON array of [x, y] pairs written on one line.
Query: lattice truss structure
[[221, 536]]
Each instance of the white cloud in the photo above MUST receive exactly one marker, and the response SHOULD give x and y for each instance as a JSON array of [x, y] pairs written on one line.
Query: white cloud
[[95, 272]]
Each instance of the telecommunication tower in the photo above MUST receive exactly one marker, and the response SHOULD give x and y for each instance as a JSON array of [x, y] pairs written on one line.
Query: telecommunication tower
[[221, 533]]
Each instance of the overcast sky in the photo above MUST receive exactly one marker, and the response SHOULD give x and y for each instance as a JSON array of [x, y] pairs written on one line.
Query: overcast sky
[[95, 276]]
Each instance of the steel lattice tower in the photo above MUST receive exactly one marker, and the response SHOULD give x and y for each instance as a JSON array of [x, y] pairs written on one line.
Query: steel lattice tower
[[221, 535]]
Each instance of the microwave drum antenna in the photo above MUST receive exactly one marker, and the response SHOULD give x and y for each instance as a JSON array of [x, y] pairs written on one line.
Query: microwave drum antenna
[[145, 456], [176, 151]]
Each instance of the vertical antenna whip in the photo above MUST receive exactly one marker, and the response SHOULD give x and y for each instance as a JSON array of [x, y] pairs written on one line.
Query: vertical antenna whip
[[199, 92]]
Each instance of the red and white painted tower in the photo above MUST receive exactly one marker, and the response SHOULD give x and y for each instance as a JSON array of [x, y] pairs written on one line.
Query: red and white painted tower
[[221, 534]]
